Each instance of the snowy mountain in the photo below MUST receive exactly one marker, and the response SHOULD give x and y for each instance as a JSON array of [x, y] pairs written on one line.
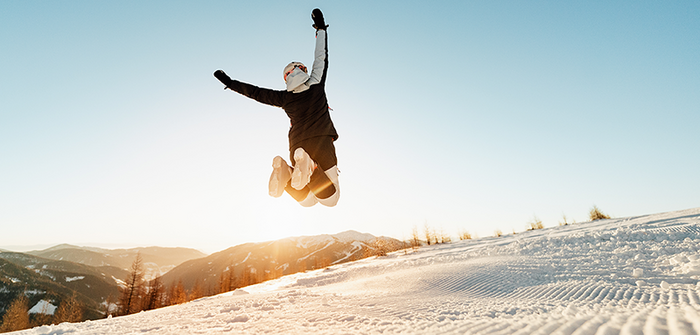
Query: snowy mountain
[[272, 259], [49, 280], [52, 275], [44, 266], [635, 275], [157, 260]]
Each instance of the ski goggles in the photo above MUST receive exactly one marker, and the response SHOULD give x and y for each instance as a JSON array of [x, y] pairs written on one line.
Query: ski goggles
[[301, 67]]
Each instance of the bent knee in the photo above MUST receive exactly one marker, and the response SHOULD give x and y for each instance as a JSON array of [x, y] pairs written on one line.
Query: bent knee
[[309, 201], [332, 200]]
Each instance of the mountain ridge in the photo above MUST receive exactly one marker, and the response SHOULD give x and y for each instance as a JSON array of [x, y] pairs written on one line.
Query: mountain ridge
[[158, 260], [628, 275], [272, 259], [54, 281], [95, 274]]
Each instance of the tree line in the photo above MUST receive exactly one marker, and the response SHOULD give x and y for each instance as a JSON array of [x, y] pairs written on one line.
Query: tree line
[[138, 294], [17, 314]]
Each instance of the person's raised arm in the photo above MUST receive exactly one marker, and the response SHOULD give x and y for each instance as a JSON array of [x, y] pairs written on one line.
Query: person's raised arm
[[263, 95], [320, 66]]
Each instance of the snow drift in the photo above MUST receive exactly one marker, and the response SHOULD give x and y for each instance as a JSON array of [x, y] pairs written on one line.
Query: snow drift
[[636, 275]]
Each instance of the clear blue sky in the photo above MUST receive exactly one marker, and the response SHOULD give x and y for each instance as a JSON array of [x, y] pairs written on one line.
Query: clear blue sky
[[465, 115]]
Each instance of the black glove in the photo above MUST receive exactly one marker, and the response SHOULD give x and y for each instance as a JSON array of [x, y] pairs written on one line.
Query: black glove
[[319, 23], [223, 78]]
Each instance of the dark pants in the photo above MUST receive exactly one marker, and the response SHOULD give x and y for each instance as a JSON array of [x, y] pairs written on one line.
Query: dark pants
[[320, 149]]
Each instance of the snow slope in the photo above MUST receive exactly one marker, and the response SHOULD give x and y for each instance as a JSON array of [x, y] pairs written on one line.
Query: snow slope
[[636, 275]]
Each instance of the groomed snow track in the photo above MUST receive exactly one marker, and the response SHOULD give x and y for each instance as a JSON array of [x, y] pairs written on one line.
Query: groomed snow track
[[635, 275]]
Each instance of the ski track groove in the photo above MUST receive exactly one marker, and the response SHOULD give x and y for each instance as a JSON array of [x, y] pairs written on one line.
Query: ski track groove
[[591, 325], [527, 289], [693, 297], [656, 311], [691, 314], [655, 323], [677, 325], [571, 326], [634, 324]]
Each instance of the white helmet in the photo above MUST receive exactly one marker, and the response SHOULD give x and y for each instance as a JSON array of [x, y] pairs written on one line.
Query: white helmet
[[295, 76], [290, 68]]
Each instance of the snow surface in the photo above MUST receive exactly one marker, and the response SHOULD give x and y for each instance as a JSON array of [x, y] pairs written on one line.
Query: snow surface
[[352, 236], [308, 241], [317, 251], [345, 237], [70, 279], [246, 257], [636, 275], [43, 307]]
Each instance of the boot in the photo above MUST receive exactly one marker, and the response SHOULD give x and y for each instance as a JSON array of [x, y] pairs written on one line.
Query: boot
[[303, 169], [281, 173]]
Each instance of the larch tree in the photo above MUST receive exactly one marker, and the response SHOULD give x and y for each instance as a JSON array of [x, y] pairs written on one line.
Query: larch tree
[[70, 310], [154, 294], [177, 294], [132, 292], [17, 315]]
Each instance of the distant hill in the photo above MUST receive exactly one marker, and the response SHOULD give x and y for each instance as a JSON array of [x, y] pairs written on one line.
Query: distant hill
[[54, 281], [94, 274], [40, 264], [157, 260], [276, 258]]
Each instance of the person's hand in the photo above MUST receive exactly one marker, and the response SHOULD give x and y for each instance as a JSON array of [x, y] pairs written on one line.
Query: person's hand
[[223, 77], [319, 23]]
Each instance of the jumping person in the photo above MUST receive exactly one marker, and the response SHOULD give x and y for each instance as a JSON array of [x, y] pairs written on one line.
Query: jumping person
[[314, 176]]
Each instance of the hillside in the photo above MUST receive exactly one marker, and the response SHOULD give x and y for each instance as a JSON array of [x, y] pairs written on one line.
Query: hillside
[[634, 275], [157, 260], [273, 259], [28, 261], [53, 274], [54, 281]]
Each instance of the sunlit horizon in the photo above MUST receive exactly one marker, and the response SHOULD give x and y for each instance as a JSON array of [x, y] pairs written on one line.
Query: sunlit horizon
[[465, 116]]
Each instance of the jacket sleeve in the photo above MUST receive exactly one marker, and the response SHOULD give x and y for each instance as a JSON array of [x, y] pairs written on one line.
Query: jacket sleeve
[[320, 67], [263, 95]]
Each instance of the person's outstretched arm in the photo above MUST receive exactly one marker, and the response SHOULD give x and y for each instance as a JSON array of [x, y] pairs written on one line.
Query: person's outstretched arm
[[259, 94], [320, 66]]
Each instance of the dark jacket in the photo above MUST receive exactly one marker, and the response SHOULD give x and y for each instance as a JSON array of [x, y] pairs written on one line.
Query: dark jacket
[[306, 104]]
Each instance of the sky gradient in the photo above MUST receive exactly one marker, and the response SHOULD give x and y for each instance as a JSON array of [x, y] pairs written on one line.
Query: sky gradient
[[461, 115]]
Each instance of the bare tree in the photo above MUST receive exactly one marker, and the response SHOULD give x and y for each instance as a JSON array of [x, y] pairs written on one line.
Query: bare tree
[[380, 247], [177, 294], [196, 292], [232, 280], [70, 310], [224, 281], [132, 292], [110, 306], [415, 239], [248, 277], [154, 294], [17, 315]]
